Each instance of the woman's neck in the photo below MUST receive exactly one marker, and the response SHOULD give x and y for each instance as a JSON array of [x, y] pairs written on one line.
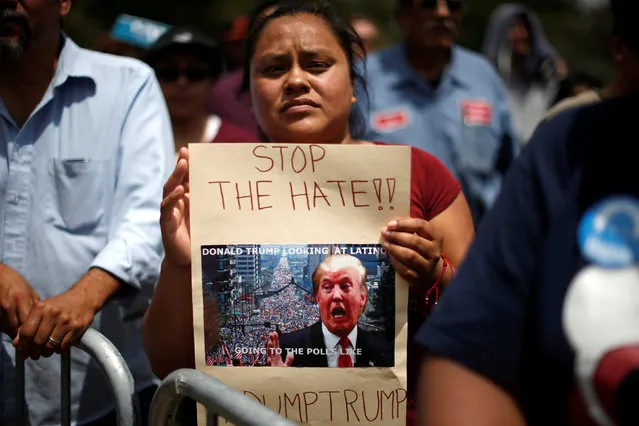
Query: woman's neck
[[189, 130]]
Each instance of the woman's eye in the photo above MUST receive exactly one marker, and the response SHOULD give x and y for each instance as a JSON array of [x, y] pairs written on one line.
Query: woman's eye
[[318, 65], [273, 69]]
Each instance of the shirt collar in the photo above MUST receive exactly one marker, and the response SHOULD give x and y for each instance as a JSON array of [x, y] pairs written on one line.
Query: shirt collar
[[406, 74], [331, 340], [71, 64]]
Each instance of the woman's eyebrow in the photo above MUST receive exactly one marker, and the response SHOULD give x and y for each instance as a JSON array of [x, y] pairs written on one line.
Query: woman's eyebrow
[[272, 57]]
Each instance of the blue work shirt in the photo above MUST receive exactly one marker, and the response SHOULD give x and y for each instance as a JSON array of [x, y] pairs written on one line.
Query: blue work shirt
[[81, 186], [465, 121], [533, 308]]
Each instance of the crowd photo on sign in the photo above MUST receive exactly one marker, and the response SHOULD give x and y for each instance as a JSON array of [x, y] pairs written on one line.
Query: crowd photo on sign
[[516, 265], [275, 300]]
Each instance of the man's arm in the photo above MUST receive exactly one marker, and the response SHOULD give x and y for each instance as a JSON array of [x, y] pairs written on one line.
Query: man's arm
[[131, 259], [134, 251], [65, 317]]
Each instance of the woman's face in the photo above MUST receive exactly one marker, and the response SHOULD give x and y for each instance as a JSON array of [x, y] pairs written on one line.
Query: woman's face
[[301, 87], [186, 82]]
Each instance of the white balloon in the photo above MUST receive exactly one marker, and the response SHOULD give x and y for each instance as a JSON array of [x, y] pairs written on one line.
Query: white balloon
[[600, 314]]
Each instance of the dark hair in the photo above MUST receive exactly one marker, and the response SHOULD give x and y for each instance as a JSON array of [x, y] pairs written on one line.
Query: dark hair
[[625, 14], [257, 13], [348, 39]]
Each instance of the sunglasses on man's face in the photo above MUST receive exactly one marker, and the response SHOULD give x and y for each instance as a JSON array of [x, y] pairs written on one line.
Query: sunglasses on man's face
[[453, 5], [171, 74]]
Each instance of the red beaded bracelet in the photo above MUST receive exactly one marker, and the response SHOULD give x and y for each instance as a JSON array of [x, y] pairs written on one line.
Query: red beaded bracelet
[[435, 286]]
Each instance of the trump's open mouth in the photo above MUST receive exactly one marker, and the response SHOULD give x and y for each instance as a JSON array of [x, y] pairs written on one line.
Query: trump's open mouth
[[338, 313]]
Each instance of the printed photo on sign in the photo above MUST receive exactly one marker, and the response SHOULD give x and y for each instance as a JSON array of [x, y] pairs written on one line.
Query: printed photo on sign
[[296, 305]]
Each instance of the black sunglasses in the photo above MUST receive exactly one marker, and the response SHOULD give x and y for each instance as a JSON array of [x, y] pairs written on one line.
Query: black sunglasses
[[170, 74], [453, 5]]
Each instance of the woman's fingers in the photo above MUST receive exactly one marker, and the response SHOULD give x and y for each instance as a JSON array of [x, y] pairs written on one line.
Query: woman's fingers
[[170, 199], [405, 272], [172, 210], [426, 249], [178, 177], [410, 225], [409, 258]]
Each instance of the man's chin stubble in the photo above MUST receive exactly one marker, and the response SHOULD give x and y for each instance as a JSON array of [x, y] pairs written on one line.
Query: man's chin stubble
[[11, 49]]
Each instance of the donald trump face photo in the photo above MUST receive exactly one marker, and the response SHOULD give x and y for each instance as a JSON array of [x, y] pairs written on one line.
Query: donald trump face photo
[[336, 340], [339, 287]]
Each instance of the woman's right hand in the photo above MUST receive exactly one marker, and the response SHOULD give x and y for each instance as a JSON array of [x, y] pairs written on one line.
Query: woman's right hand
[[175, 214]]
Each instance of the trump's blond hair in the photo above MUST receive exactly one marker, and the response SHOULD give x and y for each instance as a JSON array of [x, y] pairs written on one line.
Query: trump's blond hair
[[338, 262]]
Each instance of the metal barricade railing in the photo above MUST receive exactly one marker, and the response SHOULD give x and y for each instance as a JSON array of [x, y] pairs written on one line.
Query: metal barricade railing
[[219, 399], [113, 365]]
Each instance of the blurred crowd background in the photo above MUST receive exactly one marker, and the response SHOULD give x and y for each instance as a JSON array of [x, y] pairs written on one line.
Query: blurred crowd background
[[578, 29]]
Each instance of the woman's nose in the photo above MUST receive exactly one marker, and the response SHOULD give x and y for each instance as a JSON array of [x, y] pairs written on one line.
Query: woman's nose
[[297, 81]]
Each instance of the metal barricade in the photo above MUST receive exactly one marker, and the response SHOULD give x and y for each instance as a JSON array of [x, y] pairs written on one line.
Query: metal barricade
[[113, 365], [219, 399]]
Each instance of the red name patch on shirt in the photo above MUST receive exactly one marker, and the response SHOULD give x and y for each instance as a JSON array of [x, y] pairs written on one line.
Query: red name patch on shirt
[[390, 120], [476, 113]]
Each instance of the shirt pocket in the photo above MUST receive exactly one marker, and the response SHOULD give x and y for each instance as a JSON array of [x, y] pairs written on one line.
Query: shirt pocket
[[77, 199], [477, 149]]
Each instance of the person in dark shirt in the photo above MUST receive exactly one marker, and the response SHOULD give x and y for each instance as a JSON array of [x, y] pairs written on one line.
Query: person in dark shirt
[[540, 325]]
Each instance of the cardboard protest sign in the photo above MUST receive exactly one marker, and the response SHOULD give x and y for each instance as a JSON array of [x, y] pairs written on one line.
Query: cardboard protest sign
[[286, 247]]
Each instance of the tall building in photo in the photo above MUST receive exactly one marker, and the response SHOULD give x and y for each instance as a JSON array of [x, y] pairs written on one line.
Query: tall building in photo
[[219, 280], [313, 261], [249, 266], [372, 261]]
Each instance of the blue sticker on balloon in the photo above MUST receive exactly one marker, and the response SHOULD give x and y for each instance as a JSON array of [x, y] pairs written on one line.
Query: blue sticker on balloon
[[608, 234]]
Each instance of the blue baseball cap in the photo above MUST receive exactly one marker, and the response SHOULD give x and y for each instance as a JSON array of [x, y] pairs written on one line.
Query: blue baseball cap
[[136, 31]]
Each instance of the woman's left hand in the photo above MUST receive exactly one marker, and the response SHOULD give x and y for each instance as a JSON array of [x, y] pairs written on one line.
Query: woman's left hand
[[415, 247]]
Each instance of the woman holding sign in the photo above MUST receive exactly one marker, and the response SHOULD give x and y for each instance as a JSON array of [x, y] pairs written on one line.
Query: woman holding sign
[[301, 73]]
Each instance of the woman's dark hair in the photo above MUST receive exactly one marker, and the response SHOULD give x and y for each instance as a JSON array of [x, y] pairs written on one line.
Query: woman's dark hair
[[348, 39]]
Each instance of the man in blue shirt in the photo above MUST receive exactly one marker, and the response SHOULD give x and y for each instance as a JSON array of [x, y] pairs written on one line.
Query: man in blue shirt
[[86, 145], [541, 326], [432, 94]]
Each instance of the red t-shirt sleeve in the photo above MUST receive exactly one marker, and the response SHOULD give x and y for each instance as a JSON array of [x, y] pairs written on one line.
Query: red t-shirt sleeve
[[433, 187], [231, 133]]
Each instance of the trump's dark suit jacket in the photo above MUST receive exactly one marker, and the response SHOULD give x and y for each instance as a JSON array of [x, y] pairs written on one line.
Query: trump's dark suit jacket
[[375, 351]]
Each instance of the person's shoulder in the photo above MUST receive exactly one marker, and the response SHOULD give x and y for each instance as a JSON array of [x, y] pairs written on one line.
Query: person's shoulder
[[590, 115], [585, 98], [115, 62], [429, 166], [475, 62], [577, 134], [230, 132], [109, 68], [376, 61], [422, 161], [610, 120]]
